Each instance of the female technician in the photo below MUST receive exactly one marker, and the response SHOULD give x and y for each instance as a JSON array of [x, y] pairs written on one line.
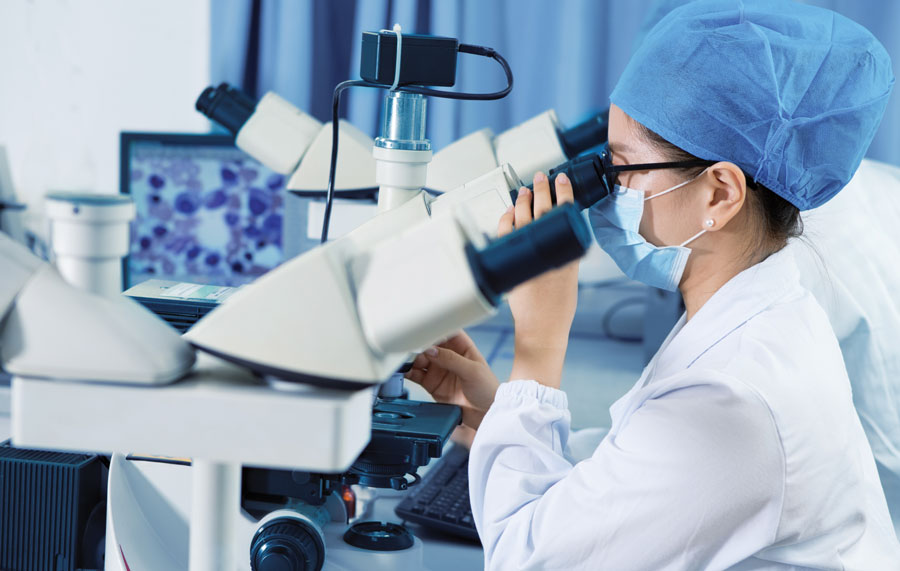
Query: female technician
[[739, 446]]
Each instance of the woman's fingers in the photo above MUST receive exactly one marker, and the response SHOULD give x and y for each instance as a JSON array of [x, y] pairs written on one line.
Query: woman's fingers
[[415, 375], [507, 222], [452, 361], [563, 186], [542, 201], [523, 207]]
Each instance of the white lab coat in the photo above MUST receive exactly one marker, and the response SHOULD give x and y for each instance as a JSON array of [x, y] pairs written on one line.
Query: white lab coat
[[859, 295], [737, 448]]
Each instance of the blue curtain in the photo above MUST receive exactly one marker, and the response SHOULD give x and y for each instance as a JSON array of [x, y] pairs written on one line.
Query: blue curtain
[[565, 55]]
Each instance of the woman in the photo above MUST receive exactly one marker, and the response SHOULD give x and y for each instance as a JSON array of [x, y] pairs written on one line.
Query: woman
[[739, 446]]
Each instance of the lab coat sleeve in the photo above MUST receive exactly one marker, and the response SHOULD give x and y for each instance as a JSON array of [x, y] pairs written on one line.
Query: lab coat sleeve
[[669, 489]]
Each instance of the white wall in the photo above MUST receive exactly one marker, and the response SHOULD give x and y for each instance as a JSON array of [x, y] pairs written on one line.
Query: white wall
[[74, 73]]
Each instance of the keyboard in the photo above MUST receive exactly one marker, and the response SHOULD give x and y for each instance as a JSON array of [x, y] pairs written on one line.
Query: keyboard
[[441, 500]]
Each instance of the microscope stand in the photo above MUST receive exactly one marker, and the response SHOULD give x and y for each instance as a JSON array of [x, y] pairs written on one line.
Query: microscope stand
[[221, 416]]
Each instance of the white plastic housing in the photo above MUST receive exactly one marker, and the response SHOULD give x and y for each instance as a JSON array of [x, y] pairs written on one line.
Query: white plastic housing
[[89, 235], [298, 318], [355, 164], [531, 146], [18, 265], [486, 198], [277, 134], [302, 315], [57, 331], [462, 161], [436, 295], [400, 175], [353, 309]]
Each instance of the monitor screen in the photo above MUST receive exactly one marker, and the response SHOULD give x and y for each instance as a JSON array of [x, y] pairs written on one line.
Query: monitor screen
[[206, 211]]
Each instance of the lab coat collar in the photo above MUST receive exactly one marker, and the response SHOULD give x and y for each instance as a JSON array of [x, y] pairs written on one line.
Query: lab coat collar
[[734, 304]]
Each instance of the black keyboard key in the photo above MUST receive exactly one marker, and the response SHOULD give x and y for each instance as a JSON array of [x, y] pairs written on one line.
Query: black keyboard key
[[441, 500]]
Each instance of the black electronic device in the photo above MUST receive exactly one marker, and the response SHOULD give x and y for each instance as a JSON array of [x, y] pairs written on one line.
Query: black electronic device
[[52, 510], [179, 304], [441, 501], [424, 60]]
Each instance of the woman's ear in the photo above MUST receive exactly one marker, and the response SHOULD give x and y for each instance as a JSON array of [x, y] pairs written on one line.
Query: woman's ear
[[727, 190]]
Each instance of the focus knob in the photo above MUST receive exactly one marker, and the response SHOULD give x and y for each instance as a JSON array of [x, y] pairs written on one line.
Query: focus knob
[[287, 544]]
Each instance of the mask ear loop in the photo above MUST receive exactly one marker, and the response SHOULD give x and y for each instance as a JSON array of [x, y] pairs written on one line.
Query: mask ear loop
[[709, 224], [692, 238], [677, 186]]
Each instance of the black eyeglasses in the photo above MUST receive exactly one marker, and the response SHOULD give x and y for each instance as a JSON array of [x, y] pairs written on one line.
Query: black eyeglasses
[[611, 171]]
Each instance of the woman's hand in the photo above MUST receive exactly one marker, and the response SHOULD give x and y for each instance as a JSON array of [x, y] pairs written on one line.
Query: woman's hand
[[454, 372], [543, 308]]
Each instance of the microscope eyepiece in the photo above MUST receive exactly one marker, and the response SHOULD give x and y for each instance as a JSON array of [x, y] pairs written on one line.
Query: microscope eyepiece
[[586, 175], [553, 240], [585, 135], [226, 105]]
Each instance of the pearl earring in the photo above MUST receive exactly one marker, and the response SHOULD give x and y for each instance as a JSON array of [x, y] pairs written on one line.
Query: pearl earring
[[710, 223]]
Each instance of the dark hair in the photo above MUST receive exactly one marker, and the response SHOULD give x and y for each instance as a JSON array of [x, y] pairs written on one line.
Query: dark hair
[[777, 219]]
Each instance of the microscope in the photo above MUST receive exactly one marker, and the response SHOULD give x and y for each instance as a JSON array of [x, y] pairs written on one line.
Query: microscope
[[277, 410]]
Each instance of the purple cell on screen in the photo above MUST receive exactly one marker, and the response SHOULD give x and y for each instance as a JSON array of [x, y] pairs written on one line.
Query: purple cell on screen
[[193, 252], [249, 175], [160, 211], [156, 181], [212, 259], [237, 267], [159, 231], [145, 242], [272, 223], [231, 218], [248, 256], [275, 181], [215, 198], [154, 198], [259, 201], [251, 232], [229, 177], [186, 203]]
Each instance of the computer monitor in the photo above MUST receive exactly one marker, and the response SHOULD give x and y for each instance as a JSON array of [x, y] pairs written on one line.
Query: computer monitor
[[206, 212]]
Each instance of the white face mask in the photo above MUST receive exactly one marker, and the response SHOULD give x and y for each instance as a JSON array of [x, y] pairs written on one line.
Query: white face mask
[[616, 220]]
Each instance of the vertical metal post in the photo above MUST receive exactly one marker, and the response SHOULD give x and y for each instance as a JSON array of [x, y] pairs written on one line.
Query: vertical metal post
[[215, 504]]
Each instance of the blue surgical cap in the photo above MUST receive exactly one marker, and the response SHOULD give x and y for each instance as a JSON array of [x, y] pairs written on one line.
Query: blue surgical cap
[[790, 93]]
